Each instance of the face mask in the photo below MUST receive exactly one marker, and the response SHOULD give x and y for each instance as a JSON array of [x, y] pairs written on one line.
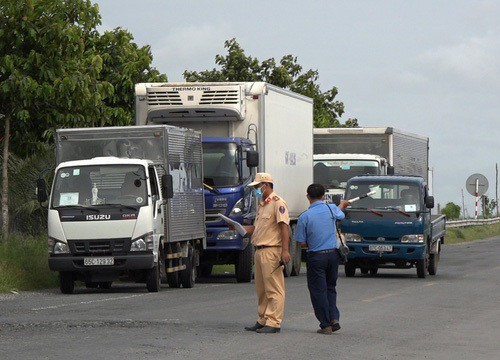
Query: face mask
[[257, 193]]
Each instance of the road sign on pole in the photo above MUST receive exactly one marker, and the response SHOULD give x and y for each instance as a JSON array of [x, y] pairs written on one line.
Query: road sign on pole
[[476, 185]]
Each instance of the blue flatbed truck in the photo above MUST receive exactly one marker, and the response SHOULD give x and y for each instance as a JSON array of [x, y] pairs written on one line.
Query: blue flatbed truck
[[393, 228]]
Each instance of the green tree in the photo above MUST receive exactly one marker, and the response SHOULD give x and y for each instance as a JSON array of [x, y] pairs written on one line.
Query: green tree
[[57, 71], [451, 210], [489, 206], [287, 73]]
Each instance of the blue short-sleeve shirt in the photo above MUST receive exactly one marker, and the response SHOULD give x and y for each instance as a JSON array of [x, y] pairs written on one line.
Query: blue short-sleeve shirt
[[317, 228]]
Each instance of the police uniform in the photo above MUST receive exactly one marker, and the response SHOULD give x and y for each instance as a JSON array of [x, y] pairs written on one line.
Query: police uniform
[[266, 239]]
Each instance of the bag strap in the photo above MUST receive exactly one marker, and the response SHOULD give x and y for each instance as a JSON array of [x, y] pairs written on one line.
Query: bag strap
[[336, 227]]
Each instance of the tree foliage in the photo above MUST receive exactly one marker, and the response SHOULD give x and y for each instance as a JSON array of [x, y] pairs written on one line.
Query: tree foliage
[[57, 71], [451, 210], [489, 206], [287, 73]]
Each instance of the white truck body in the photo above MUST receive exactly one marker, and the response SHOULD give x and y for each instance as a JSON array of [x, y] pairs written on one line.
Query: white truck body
[[408, 153], [251, 116], [107, 214], [334, 170], [282, 121]]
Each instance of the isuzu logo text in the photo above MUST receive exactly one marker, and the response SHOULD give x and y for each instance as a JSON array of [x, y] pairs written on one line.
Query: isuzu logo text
[[98, 217]]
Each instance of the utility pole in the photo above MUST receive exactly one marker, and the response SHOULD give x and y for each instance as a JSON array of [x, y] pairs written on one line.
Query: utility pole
[[496, 187], [463, 204]]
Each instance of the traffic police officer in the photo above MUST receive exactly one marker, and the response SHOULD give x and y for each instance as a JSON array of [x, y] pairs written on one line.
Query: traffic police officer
[[271, 239]]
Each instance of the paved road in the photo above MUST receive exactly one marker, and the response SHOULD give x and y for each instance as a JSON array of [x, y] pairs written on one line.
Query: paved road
[[394, 315]]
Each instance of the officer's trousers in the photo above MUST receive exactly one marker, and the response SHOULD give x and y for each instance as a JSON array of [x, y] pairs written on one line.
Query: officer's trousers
[[270, 286]]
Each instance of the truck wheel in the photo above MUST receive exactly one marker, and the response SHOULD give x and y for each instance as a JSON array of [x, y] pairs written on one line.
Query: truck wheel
[[349, 269], [364, 270], [153, 279], [91, 285], [297, 253], [243, 266], [373, 271], [421, 268], [163, 268], [188, 275], [433, 263], [67, 282]]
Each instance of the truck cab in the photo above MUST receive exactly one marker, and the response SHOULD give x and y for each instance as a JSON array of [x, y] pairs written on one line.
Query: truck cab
[[227, 169], [393, 227], [334, 170]]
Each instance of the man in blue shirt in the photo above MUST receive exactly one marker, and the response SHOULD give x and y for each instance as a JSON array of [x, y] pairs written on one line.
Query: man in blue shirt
[[316, 229]]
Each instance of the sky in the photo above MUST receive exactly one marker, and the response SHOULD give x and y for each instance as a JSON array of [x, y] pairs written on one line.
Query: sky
[[431, 67]]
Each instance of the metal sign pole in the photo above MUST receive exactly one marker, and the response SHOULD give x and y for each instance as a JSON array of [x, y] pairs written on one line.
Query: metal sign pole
[[477, 197]]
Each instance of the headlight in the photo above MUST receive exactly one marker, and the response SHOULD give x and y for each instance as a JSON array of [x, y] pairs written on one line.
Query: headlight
[[352, 237], [57, 247], [143, 243], [227, 235], [414, 238], [237, 209]]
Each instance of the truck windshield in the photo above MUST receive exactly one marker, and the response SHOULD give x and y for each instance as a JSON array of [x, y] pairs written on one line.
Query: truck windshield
[[333, 174], [404, 197], [100, 185], [220, 164]]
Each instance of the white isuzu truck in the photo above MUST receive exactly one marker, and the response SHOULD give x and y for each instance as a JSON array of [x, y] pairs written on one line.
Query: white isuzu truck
[[126, 201], [247, 127]]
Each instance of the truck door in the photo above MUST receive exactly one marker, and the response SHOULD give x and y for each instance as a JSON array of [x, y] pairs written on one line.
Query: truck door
[[156, 201]]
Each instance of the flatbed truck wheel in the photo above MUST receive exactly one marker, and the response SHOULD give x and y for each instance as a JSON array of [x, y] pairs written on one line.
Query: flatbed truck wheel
[[153, 279], [421, 268], [349, 269]]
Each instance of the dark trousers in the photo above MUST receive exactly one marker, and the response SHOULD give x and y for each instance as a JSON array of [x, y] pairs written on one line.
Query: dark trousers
[[322, 273]]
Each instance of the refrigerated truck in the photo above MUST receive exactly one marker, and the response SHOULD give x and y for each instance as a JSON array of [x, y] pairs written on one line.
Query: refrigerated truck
[[126, 201], [247, 127]]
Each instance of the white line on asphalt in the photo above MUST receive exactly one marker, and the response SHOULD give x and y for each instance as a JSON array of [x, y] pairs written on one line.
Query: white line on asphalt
[[85, 302], [380, 297]]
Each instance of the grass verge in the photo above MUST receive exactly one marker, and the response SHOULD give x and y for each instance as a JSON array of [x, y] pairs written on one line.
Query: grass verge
[[23, 264], [471, 233]]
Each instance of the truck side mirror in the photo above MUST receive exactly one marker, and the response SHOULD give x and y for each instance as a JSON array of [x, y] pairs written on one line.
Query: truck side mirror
[[429, 202], [167, 186], [390, 170], [252, 158], [41, 190]]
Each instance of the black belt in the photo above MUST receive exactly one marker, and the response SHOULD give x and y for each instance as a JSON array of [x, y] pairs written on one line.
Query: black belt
[[324, 251], [258, 247]]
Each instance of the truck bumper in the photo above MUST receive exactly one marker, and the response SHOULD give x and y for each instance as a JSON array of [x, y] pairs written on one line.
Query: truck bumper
[[121, 263], [404, 252], [217, 240]]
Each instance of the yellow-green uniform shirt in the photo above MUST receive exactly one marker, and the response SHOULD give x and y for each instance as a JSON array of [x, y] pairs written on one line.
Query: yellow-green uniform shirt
[[271, 212]]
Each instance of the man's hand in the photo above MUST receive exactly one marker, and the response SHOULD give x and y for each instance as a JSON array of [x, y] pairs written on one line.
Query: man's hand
[[285, 256], [343, 204]]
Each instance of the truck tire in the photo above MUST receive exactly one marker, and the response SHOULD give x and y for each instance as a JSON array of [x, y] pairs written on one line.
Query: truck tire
[[433, 261], [66, 282], [188, 275], [153, 279], [373, 271], [421, 268], [349, 269], [364, 270], [297, 254], [243, 267], [105, 285]]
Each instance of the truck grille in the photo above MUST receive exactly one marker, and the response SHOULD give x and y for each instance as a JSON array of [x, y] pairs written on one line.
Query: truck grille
[[219, 97], [112, 246], [164, 98], [211, 215]]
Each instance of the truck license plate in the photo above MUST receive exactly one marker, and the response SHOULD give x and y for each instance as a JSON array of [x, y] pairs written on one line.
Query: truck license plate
[[380, 247], [98, 261]]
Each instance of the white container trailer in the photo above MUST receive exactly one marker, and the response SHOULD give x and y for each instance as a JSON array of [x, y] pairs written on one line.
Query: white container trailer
[[237, 119]]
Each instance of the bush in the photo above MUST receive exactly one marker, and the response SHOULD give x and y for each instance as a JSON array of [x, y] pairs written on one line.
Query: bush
[[24, 264]]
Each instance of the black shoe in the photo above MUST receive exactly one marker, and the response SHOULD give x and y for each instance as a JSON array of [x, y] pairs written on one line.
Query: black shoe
[[256, 327], [268, 330], [335, 327]]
